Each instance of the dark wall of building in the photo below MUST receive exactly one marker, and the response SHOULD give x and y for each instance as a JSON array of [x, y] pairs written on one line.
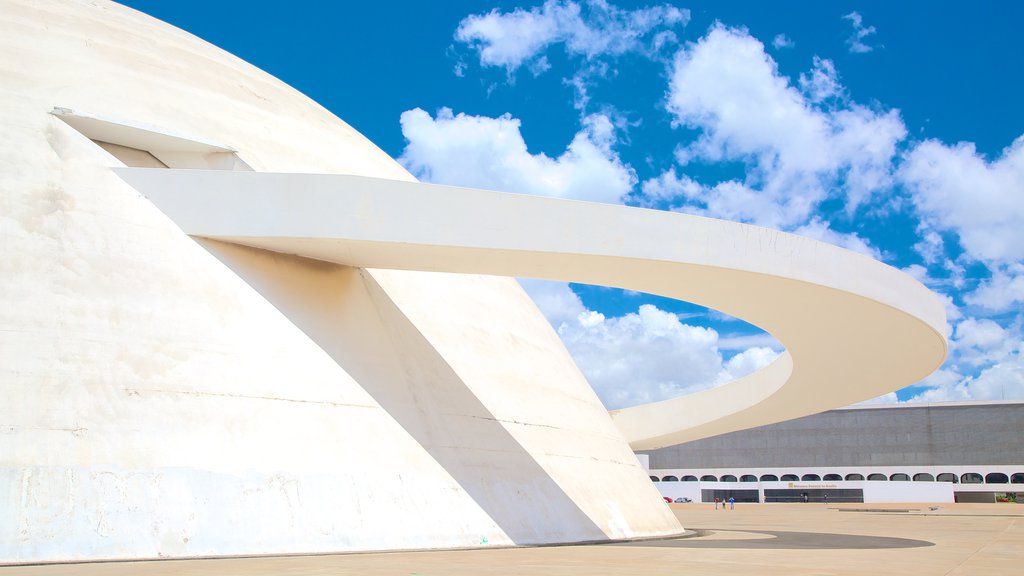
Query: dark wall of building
[[927, 435]]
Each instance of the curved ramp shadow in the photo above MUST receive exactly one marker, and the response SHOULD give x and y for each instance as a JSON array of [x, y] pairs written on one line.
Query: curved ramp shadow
[[780, 540]]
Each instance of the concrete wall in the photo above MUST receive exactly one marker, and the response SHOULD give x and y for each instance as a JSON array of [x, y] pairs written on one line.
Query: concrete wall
[[166, 397], [979, 434]]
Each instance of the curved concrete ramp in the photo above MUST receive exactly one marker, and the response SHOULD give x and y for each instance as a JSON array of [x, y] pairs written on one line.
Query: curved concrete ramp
[[853, 328]]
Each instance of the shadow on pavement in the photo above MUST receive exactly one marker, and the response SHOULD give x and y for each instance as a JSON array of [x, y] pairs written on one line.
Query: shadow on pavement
[[785, 540]]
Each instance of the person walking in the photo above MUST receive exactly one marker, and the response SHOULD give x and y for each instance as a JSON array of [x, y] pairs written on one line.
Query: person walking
[[732, 503], [716, 503]]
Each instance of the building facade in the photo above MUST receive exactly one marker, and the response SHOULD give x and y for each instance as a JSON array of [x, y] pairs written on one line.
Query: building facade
[[907, 452]]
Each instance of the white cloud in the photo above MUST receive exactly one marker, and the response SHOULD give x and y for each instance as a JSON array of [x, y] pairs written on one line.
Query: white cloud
[[556, 300], [583, 80], [819, 230], [484, 152], [860, 32], [920, 273], [642, 357], [732, 200], [823, 81], [747, 362], [930, 246], [647, 355], [1001, 291], [803, 141], [595, 28], [727, 86], [954, 188], [982, 341], [782, 41], [667, 188], [1001, 381]]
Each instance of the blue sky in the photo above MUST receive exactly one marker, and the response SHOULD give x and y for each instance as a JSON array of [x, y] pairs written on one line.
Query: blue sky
[[894, 129]]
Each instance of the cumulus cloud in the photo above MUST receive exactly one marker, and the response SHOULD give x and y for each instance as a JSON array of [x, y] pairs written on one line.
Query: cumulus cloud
[[556, 300], [796, 148], [820, 230], [969, 201], [955, 188], [982, 341], [484, 152], [731, 200], [860, 33], [520, 37], [747, 362], [667, 189], [616, 355], [1001, 291], [1002, 380], [782, 41], [643, 356], [803, 142], [822, 82]]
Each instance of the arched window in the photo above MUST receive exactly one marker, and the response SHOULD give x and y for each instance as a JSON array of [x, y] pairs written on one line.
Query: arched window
[[708, 478], [876, 476], [832, 477], [789, 478], [655, 479], [899, 477], [810, 477], [748, 478], [970, 478], [670, 479], [689, 478], [728, 478], [854, 476], [1017, 478], [947, 477], [924, 477], [996, 478], [769, 478]]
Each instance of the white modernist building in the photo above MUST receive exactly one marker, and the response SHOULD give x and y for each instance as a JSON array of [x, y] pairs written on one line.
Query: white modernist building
[[229, 324]]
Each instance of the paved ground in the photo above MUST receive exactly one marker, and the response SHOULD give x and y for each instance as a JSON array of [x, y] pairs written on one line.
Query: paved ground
[[761, 539]]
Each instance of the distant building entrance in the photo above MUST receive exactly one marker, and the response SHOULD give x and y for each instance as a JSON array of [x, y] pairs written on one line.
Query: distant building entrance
[[738, 495], [814, 495]]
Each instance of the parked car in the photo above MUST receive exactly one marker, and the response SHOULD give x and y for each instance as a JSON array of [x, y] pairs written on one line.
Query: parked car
[[667, 499], [683, 500]]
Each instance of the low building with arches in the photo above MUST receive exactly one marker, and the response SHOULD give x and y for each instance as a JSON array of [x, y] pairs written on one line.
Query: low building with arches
[[938, 452]]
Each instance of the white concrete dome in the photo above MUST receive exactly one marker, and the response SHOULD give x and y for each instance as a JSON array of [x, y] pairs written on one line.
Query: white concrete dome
[[163, 398], [231, 325]]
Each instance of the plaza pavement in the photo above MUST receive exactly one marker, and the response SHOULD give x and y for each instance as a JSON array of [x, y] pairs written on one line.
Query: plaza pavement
[[761, 539]]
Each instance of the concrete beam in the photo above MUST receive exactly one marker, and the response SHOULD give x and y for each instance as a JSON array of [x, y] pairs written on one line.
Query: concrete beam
[[853, 328]]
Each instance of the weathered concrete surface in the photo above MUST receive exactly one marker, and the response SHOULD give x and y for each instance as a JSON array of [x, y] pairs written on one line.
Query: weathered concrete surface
[[163, 398]]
